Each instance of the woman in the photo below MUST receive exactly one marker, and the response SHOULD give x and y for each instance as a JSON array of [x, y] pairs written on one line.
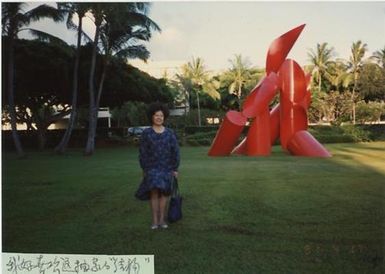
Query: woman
[[159, 159]]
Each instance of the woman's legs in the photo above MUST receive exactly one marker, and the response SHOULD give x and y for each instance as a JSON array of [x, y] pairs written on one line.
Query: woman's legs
[[162, 208], [158, 204], [154, 202]]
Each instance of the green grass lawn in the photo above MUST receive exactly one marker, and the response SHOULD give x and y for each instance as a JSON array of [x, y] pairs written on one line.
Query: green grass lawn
[[278, 214]]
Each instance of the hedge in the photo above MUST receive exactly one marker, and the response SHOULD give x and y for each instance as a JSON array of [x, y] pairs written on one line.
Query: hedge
[[194, 136], [324, 134]]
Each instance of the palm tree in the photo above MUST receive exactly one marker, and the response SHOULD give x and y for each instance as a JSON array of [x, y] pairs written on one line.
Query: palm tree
[[196, 72], [358, 50], [320, 60], [73, 10], [379, 56], [338, 76], [98, 11], [238, 75], [119, 26], [186, 86], [340, 79], [15, 19], [125, 25]]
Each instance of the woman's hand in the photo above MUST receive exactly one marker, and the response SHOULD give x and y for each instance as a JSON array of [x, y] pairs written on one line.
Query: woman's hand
[[175, 173]]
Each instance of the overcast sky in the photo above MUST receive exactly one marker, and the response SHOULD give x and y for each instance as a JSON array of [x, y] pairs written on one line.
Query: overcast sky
[[216, 31]]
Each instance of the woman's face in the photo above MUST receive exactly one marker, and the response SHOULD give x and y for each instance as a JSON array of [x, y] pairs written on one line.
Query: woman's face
[[158, 118]]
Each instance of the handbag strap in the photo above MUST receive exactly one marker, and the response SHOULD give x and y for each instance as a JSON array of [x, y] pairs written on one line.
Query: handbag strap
[[175, 187]]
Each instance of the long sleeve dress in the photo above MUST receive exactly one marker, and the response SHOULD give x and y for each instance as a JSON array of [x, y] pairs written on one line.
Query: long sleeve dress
[[158, 157]]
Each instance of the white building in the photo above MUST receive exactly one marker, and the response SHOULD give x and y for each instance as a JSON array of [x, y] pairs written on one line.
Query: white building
[[104, 113]]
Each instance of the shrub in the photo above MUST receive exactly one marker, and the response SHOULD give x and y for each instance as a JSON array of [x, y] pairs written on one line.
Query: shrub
[[376, 132], [200, 139], [196, 130], [329, 134], [369, 112], [130, 114], [199, 142], [356, 133]]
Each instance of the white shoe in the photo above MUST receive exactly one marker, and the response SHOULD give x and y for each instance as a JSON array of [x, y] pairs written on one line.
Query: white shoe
[[154, 227], [164, 226]]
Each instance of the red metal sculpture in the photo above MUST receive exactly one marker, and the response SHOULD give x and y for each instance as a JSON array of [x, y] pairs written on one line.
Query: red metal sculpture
[[286, 121]]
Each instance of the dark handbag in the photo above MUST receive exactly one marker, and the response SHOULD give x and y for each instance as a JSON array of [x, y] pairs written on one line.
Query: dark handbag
[[175, 204]]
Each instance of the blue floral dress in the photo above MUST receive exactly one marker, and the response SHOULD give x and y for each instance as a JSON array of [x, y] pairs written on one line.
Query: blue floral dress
[[158, 157]]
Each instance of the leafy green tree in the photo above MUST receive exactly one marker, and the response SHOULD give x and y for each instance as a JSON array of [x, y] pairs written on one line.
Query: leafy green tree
[[15, 19], [338, 76], [371, 82], [320, 58], [338, 82], [186, 86], [379, 57], [130, 114], [369, 111], [237, 82], [199, 79], [42, 77], [238, 75], [127, 83], [230, 102], [358, 50], [256, 75]]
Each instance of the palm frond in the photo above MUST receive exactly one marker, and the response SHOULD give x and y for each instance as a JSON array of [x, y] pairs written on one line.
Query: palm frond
[[44, 11], [10, 9], [105, 45], [211, 90], [379, 57], [45, 37], [128, 40], [139, 19], [70, 24], [138, 51], [143, 7], [86, 38], [141, 34], [232, 87]]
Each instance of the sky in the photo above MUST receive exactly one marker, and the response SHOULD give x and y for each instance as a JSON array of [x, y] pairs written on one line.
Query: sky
[[217, 30]]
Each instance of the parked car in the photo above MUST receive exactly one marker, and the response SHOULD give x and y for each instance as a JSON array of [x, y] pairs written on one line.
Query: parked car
[[136, 132]]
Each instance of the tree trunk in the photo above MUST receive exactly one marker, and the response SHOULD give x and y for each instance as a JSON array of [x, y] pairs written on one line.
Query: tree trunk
[[199, 110], [354, 108], [62, 146], [101, 83], [11, 100], [354, 99], [93, 119], [93, 111], [239, 91], [185, 106], [41, 136], [186, 101]]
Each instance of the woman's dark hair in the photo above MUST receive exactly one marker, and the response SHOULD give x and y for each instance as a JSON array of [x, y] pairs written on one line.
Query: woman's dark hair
[[155, 107]]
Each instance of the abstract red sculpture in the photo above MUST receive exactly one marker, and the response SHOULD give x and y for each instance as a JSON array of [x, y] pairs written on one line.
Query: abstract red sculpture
[[286, 121]]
